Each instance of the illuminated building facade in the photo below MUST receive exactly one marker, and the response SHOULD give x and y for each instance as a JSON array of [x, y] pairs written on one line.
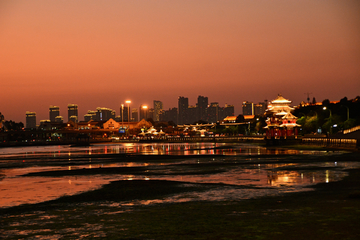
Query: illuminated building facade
[[281, 123], [73, 112], [31, 120], [54, 111], [158, 107]]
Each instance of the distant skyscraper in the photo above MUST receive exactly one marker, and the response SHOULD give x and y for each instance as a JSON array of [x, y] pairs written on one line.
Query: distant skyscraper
[[228, 111], [183, 104], [202, 105], [59, 119], [104, 114], [193, 114], [259, 109], [248, 108], [170, 115], [31, 120], [144, 112], [134, 115], [158, 107], [91, 115], [213, 112], [73, 112], [54, 111], [126, 114]]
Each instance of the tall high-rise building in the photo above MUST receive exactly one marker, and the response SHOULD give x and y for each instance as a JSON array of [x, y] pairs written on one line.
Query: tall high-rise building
[[134, 115], [91, 115], [158, 107], [144, 112], [104, 114], [248, 108], [170, 115], [183, 104], [124, 114], [31, 120], [259, 109], [59, 119], [73, 112], [213, 112], [228, 111], [202, 105], [193, 114], [54, 111]]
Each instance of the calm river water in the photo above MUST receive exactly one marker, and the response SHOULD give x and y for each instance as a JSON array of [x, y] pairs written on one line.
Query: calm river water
[[256, 170]]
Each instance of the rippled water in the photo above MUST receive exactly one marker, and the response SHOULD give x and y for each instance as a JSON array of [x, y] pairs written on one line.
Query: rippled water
[[243, 170]]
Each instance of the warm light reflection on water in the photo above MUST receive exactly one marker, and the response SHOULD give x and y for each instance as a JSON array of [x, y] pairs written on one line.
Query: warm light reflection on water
[[239, 181]]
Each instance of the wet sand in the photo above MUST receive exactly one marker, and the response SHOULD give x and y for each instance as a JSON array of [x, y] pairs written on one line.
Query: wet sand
[[331, 211]]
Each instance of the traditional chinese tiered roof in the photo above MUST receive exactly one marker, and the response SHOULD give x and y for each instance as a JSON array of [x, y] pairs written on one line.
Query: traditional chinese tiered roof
[[279, 106], [279, 114]]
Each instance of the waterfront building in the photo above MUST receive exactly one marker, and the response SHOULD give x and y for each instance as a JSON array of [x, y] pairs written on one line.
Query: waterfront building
[[281, 123], [73, 112], [54, 111], [158, 107], [112, 124], [31, 120]]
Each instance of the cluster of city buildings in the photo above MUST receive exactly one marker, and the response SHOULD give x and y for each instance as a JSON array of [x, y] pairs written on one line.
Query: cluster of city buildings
[[183, 114]]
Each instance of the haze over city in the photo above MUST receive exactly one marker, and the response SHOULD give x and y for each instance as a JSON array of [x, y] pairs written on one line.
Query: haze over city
[[101, 53]]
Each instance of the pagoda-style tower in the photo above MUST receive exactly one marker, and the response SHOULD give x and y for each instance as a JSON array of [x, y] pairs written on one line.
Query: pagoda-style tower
[[280, 122]]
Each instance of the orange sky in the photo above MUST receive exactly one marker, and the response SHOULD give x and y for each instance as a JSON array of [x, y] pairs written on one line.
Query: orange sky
[[100, 53]]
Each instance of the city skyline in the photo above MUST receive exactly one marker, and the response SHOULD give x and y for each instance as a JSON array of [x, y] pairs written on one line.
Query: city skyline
[[100, 54]]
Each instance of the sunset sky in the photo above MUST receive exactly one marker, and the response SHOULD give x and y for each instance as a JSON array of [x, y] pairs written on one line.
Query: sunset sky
[[101, 53]]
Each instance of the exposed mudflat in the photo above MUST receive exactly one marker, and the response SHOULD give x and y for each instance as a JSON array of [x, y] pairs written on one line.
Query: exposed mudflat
[[240, 192]]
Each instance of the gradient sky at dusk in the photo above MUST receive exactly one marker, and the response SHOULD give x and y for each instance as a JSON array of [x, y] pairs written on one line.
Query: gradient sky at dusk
[[101, 53]]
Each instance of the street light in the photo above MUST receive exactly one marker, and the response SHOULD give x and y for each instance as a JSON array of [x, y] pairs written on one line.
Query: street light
[[128, 103], [325, 108], [122, 115], [144, 107]]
